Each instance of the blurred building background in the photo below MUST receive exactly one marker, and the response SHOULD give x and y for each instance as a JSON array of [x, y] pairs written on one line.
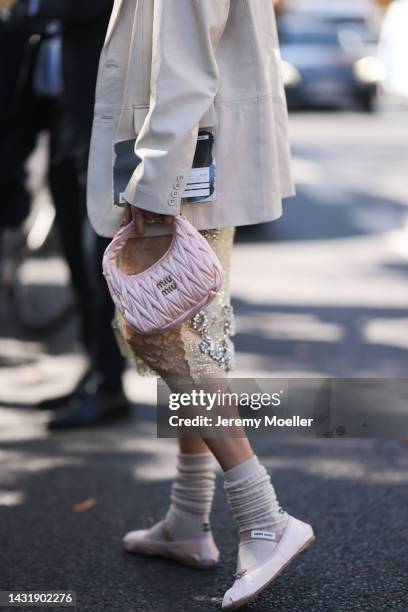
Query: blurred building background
[[284, 4]]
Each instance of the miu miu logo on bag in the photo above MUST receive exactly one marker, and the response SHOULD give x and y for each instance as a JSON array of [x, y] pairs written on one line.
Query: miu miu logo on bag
[[166, 285]]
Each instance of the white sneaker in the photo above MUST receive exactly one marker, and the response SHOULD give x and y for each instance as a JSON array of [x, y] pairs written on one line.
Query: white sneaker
[[200, 553], [251, 581]]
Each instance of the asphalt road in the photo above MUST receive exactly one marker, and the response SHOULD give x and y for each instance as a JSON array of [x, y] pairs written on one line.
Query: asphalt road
[[322, 292]]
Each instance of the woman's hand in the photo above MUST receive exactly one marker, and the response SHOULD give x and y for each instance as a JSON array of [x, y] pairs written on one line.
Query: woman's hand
[[140, 217]]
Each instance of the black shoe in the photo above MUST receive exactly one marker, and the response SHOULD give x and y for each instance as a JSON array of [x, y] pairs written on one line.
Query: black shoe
[[90, 409], [54, 403]]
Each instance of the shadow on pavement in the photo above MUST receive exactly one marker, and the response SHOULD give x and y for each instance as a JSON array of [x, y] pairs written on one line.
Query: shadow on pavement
[[324, 214], [343, 487], [352, 353]]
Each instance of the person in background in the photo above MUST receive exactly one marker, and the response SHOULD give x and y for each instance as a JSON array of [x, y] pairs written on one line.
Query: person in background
[[58, 95], [14, 53]]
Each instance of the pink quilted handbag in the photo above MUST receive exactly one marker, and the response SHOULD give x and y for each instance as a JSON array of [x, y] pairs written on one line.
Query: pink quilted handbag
[[177, 286]]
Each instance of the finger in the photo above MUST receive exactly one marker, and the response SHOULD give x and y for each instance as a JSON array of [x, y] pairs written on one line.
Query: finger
[[150, 216], [127, 216], [138, 221]]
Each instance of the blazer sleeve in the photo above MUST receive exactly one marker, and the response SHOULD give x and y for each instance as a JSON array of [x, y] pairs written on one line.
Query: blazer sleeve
[[184, 82]]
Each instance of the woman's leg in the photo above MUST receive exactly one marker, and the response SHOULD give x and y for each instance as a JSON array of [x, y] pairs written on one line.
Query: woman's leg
[[237, 461], [184, 533], [192, 446], [229, 452], [199, 350], [248, 486]]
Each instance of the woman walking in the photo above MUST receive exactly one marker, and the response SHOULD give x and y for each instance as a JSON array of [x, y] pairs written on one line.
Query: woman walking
[[190, 114]]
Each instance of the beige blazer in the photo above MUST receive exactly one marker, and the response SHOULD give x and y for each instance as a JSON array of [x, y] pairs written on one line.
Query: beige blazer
[[170, 66]]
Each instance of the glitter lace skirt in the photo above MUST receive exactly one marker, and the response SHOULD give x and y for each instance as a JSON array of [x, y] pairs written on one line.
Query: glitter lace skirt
[[199, 348]]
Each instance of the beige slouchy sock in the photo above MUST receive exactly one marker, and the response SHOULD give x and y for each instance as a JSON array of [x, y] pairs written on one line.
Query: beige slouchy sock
[[192, 495], [254, 504]]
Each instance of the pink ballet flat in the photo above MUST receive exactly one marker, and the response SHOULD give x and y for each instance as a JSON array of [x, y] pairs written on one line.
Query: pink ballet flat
[[252, 581], [199, 553]]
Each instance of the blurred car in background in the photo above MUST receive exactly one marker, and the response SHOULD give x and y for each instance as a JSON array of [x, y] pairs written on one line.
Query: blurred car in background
[[367, 10], [393, 51], [329, 62]]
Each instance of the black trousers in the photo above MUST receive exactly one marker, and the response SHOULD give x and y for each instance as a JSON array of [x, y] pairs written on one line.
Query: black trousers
[[82, 248], [83, 251]]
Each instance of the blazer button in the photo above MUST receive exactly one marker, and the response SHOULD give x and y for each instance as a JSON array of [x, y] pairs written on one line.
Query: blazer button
[[174, 194], [180, 177], [171, 201]]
